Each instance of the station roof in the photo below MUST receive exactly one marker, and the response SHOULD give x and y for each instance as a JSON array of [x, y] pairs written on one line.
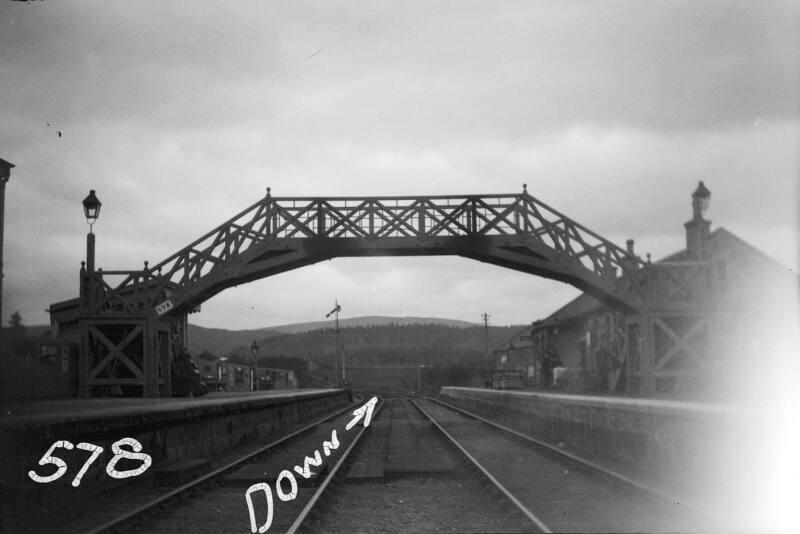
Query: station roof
[[584, 304]]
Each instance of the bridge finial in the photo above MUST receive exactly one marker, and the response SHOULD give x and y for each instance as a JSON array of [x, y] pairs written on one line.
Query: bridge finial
[[146, 264], [524, 189], [268, 191]]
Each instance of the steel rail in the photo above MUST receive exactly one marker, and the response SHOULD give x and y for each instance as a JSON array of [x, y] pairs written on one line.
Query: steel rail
[[194, 484], [588, 463], [304, 513], [510, 496]]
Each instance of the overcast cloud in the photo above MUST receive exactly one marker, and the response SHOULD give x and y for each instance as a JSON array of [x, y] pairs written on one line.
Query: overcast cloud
[[180, 115]]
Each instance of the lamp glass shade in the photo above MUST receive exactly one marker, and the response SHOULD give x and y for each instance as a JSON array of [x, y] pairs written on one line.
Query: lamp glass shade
[[254, 349], [5, 170], [91, 207], [702, 197]]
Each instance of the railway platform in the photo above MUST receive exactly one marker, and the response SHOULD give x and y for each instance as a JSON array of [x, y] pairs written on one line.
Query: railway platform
[[167, 430], [48, 412]]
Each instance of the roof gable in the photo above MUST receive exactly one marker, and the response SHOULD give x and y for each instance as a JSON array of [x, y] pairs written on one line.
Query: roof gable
[[720, 239]]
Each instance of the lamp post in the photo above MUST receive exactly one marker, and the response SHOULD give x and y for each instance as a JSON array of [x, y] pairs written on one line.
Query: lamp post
[[91, 209], [5, 174], [254, 349], [485, 317]]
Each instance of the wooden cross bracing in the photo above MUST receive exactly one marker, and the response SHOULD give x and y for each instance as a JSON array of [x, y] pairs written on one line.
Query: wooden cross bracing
[[115, 352], [681, 343], [276, 234]]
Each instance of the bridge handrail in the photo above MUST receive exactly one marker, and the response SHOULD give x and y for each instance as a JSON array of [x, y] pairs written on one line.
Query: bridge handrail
[[312, 204]]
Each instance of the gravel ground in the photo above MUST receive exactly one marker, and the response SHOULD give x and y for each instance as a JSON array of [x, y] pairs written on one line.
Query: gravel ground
[[417, 505], [427, 487]]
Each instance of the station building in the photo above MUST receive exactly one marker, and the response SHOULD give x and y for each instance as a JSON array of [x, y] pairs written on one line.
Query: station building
[[221, 374], [35, 364], [732, 351]]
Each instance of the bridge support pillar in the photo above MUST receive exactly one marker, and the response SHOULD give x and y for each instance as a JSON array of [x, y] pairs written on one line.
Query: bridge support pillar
[[668, 352], [150, 360], [641, 354], [647, 384], [130, 356]]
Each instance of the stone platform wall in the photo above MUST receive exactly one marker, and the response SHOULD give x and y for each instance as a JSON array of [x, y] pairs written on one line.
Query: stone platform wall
[[183, 429], [680, 448]]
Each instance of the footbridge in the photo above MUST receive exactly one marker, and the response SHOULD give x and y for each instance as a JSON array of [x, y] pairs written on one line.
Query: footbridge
[[137, 320]]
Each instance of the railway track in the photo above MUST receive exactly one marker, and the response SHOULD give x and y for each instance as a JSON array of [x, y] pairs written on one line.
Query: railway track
[[222, 501], [422, 466], [557, 490], [408, 478]]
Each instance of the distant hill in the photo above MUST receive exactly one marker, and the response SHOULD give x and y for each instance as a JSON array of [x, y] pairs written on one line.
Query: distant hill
[[220, 341], [387, 344], [370, 320]]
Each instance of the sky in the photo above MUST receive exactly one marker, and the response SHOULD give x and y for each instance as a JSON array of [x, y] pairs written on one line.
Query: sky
[[181, 114]]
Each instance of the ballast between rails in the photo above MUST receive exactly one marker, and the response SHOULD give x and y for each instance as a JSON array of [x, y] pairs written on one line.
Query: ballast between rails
[[496, 483], [304, 514], [593, 465]]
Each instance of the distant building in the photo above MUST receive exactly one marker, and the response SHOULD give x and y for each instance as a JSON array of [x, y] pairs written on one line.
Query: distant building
[[516, 354], [230, 376], [36, 365], [726, 353]]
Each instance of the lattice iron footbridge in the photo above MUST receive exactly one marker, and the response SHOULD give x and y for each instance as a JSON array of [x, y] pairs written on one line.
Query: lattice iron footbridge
[[136, 320]]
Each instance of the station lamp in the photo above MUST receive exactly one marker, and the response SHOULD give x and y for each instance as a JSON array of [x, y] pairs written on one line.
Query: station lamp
[[5, 170], [254, 349], [701, 198], [91, 208]]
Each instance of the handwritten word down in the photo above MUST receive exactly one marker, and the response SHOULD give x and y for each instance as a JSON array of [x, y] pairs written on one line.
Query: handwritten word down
[[364, 412]]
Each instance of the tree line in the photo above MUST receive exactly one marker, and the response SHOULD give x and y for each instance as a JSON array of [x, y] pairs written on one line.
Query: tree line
[[450, 355]]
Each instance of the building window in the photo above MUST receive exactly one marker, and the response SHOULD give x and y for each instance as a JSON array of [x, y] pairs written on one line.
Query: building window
[[49, 353]]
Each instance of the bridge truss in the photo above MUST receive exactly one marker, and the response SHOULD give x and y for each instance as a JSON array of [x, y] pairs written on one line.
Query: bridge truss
[[277, 234]]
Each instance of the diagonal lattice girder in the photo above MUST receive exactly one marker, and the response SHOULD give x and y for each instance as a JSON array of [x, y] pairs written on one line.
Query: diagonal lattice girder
[[517, 231]]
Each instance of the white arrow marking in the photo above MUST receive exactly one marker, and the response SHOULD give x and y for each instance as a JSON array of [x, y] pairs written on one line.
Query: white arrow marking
[[360, 412]]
